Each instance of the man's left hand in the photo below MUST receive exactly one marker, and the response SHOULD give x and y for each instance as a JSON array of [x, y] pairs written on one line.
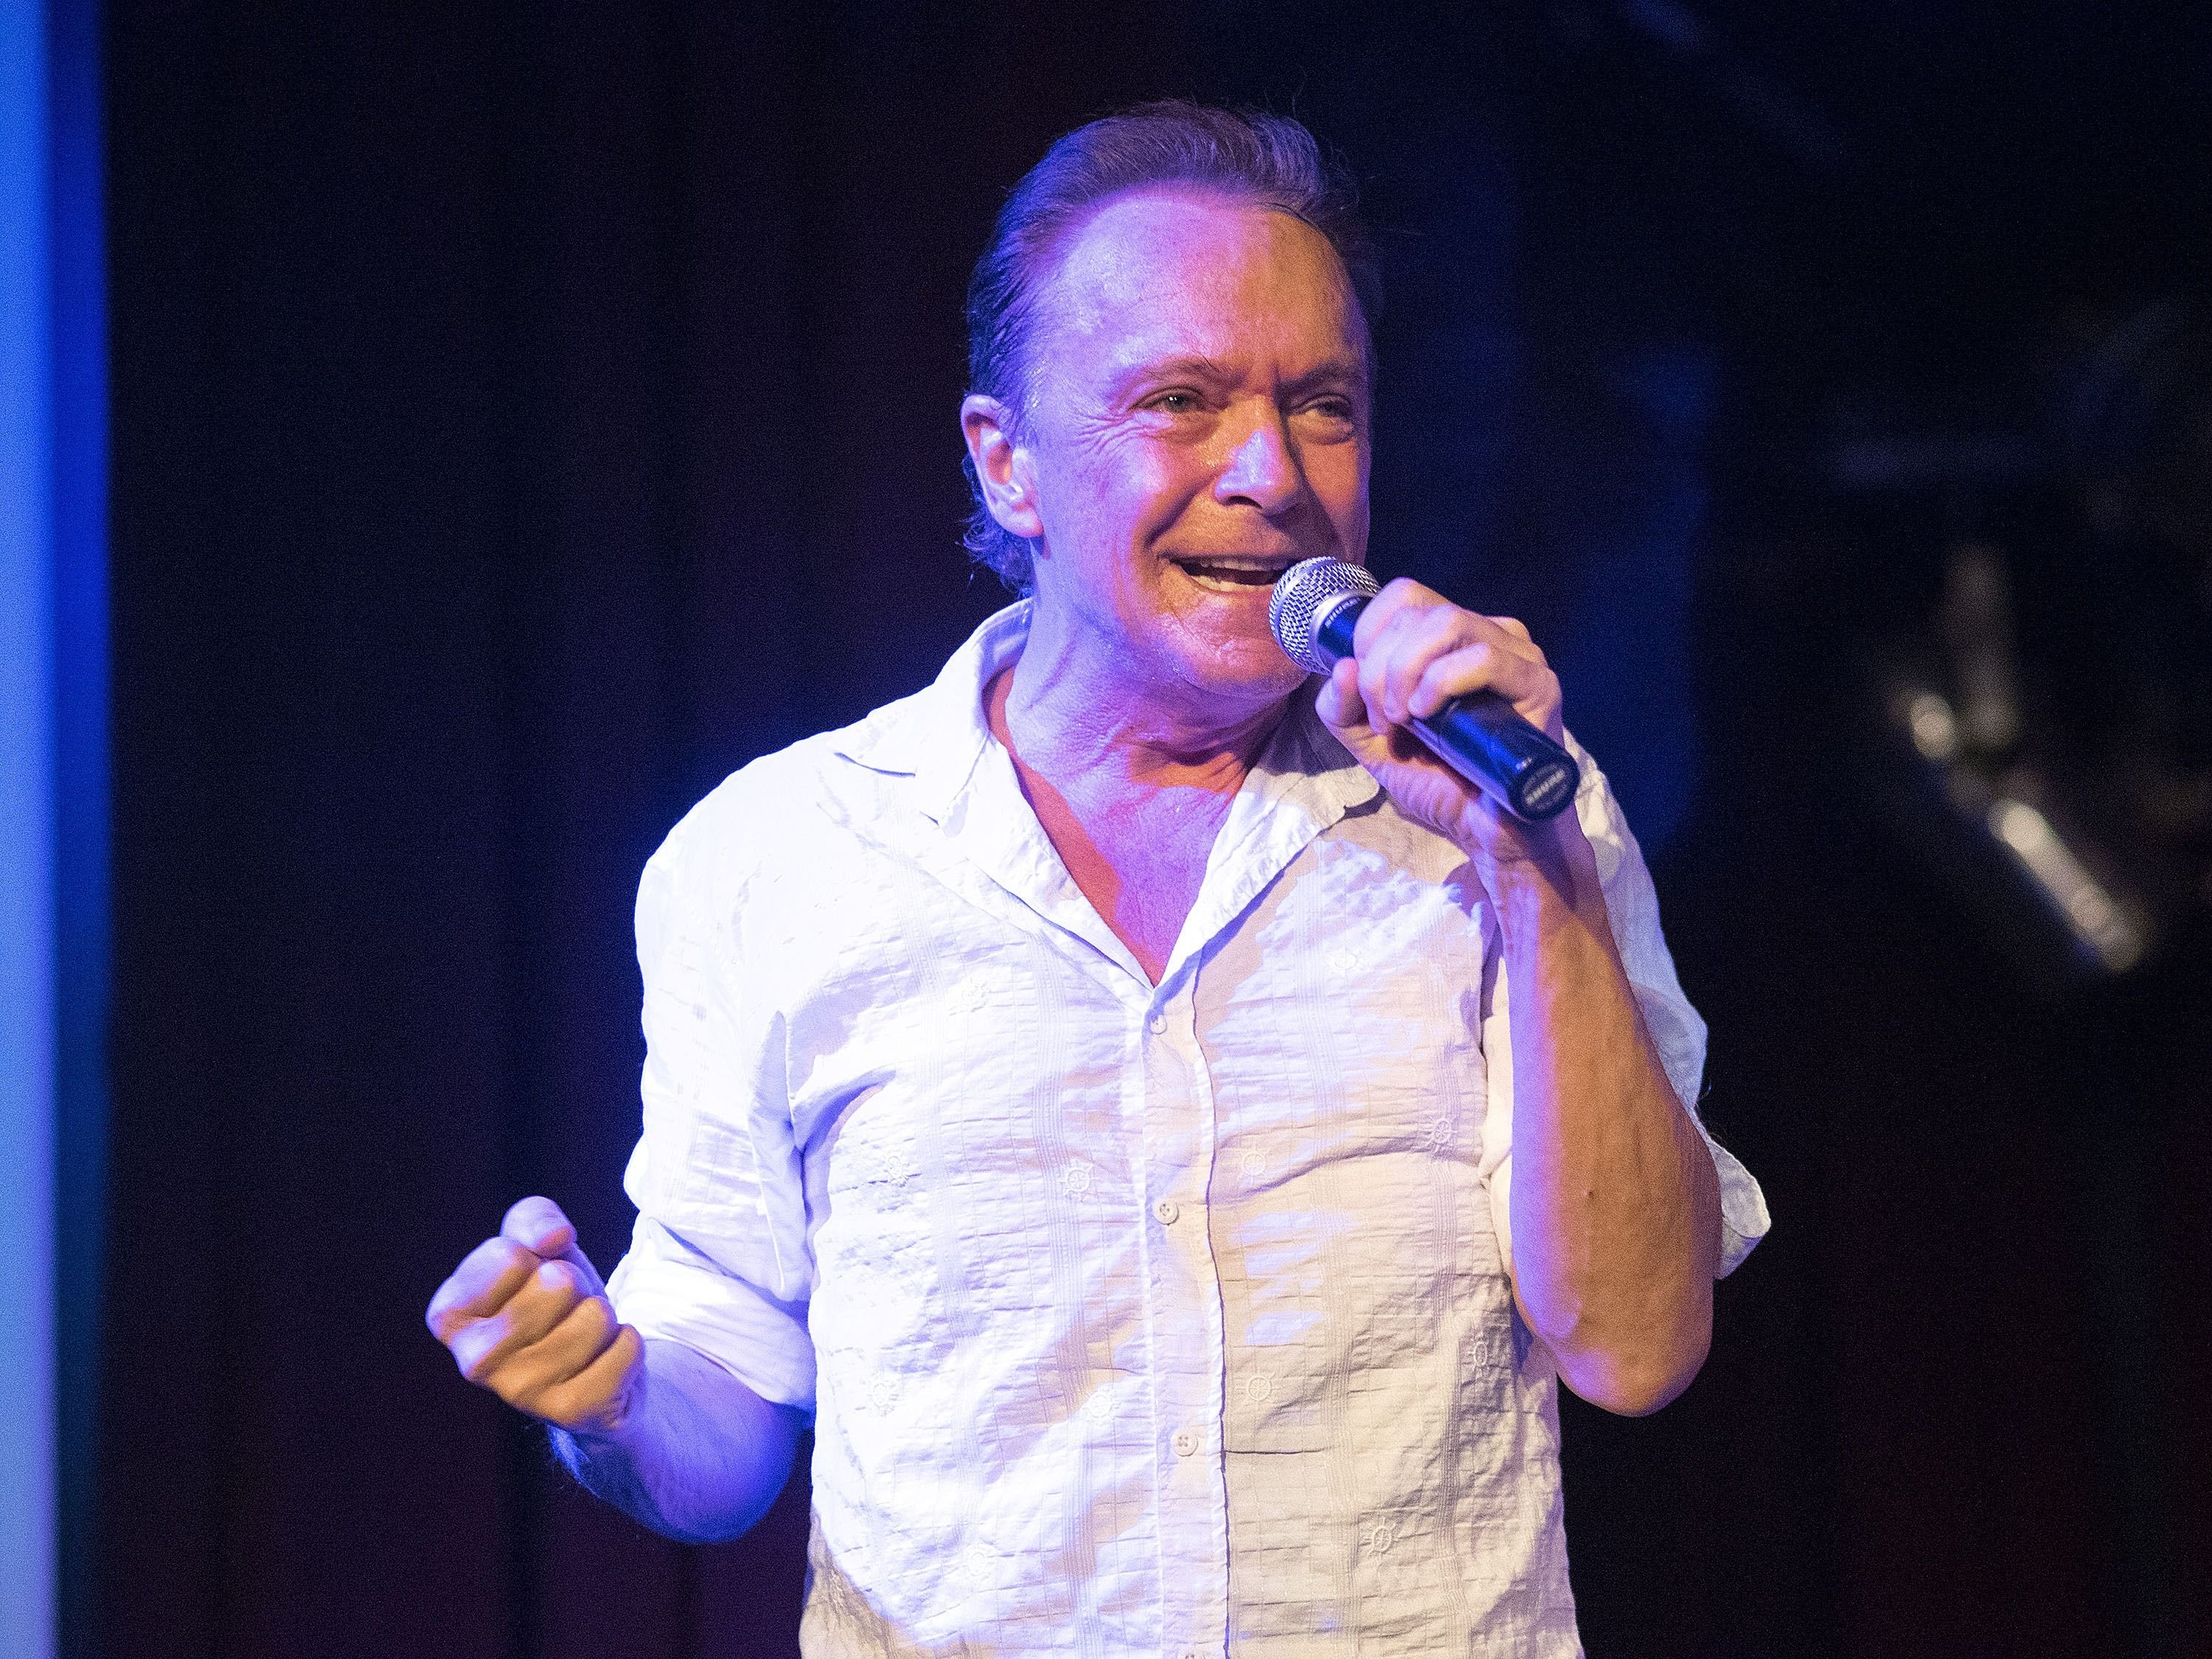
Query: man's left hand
[[1414, 651]]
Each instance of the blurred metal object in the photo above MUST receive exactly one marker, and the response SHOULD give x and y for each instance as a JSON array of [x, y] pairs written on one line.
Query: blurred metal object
[[2063, 792], [1976, 624], [2115, 931], [2051, 892]]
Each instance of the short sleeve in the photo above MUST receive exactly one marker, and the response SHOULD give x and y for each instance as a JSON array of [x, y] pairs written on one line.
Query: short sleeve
[[1631, 907], [719, 1259]]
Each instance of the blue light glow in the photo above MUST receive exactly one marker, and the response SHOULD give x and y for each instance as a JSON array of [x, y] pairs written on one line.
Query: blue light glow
[[54, 798], [28, 1510]]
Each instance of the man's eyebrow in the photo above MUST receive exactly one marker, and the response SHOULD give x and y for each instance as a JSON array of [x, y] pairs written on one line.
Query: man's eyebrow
[[1349, 373], [1194, 367]]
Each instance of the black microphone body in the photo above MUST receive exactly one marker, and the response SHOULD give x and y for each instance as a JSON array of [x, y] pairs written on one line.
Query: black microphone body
[[1478, 735]]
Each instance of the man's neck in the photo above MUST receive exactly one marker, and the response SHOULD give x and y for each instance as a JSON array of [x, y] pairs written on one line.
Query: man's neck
[[1132, 790], [1101, 736]]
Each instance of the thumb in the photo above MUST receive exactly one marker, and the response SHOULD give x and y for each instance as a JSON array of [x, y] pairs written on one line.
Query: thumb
[[539, 1225], [1338, 702]]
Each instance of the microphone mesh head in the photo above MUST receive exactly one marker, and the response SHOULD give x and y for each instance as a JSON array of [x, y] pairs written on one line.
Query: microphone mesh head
[[1301, 600]]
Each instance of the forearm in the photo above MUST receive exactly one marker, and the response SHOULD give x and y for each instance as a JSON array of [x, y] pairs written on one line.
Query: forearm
[[1615, 1200], [700, 1459]]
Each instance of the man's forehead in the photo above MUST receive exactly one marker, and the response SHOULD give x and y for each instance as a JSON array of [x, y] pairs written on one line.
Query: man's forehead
[[1174, 271]]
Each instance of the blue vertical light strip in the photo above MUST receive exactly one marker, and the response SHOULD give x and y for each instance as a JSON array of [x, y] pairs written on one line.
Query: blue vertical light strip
[[29, 842], [53, 806], [77, 313]]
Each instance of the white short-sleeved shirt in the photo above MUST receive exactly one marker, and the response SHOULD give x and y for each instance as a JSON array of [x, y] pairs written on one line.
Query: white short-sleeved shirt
[[1134, 1319]]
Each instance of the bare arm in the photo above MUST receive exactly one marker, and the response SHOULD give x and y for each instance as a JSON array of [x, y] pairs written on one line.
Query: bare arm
[[655, 1428], [700, 1460], [1615, 1204]]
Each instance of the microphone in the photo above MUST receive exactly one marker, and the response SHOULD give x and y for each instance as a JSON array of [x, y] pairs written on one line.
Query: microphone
[[1313, 609]]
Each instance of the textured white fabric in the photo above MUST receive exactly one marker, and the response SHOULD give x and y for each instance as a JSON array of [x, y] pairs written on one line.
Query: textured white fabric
[[1164, 1321]]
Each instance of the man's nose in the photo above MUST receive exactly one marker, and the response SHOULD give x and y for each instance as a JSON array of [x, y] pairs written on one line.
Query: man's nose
[[1262, 467]]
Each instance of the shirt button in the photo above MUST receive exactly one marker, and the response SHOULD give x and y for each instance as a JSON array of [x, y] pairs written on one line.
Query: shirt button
[[1156, 1023], [1166, 1210], [1186, 1442]]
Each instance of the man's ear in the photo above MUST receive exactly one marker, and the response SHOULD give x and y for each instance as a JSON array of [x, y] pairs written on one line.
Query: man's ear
[[1002, 467]]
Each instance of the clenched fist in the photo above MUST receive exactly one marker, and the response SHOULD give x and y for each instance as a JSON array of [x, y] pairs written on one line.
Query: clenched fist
[[526, 1316]]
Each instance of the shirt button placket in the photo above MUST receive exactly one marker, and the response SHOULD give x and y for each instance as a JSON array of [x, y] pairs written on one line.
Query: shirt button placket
[[1179, 1114]]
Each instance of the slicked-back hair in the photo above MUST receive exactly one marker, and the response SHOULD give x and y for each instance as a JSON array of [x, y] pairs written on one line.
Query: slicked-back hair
[[1263, 160]]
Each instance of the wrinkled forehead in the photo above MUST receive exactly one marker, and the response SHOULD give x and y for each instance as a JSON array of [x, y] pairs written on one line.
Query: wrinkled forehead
[[1185, 270]]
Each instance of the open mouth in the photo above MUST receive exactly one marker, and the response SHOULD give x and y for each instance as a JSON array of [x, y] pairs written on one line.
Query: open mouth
[[1230, 574]]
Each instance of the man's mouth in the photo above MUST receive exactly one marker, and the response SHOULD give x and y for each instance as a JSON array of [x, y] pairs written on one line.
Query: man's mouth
[[1229, 573]]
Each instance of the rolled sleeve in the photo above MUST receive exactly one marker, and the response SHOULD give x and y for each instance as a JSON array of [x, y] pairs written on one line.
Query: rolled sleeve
[[719, 1258], [667, 1289], [1677, 1032]]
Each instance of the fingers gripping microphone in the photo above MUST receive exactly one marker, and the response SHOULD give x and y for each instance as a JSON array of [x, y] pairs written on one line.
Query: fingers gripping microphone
[[1479, 736]]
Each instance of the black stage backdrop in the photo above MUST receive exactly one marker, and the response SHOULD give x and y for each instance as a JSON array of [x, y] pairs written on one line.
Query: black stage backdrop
[[525, 415]]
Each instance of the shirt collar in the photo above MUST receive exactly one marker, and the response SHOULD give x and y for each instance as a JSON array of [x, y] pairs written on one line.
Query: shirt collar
[[936, 737]]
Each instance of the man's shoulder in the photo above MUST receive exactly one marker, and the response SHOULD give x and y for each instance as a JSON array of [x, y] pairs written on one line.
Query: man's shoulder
[[791, 809]]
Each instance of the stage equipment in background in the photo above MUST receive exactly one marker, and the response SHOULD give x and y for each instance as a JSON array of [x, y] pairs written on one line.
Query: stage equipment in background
[[2062, 787], [1313, 610]]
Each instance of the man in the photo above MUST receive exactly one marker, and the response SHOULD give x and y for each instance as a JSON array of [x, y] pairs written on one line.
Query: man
[[1166, 1130]]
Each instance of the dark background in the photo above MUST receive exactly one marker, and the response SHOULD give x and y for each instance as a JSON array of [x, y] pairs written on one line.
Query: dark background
[[525, 415]]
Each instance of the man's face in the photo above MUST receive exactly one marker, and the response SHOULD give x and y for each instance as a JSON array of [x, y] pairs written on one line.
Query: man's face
[[1199, 424]]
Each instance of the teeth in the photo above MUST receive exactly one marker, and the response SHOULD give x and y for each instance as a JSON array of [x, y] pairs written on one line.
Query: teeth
[[1242, 572]]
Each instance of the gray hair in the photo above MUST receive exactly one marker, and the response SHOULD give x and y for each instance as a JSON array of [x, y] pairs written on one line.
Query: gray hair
[[1268, 161]]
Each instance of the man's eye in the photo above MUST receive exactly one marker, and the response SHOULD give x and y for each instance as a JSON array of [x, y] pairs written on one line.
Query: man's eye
[[1175, 403]]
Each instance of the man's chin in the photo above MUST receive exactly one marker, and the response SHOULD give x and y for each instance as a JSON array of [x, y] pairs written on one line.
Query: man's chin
[[1250, 671]]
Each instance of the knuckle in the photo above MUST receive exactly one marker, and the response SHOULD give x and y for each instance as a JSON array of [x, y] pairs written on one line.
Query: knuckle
[[598, 1319], [438, 1315], [478, 1360], [485, 1265], [530, 1222], [1441, 622], [498, 1259], [562, 1283]]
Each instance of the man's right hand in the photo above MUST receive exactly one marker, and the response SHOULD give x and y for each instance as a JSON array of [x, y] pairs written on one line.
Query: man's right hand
[[526, 1316]]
